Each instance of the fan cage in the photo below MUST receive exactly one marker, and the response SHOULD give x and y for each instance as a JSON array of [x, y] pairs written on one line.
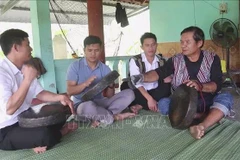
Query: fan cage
[[223, 33]]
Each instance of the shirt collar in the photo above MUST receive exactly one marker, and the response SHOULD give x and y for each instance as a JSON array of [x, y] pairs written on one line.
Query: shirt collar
[[14, 69], [85, 63], [144, 58]]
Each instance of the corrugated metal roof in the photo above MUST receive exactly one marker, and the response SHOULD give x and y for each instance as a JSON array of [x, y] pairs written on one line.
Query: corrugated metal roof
[[68, 11]]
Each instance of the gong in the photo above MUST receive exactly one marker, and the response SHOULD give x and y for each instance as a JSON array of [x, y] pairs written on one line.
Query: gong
[[183, 107], [46, 115], [100, 86]]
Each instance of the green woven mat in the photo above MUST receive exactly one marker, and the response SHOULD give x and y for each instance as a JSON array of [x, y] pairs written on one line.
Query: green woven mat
[[147, 136]]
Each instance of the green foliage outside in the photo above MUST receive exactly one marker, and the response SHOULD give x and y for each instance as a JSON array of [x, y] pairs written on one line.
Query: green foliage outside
[[59, 32], [134, 49], [1, 54]]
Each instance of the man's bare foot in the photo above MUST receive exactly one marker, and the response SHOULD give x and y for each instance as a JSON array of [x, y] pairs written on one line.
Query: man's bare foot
[[40, 149], [197, 131], [122, 116], [135, 109], [95, 124], [69, 127]]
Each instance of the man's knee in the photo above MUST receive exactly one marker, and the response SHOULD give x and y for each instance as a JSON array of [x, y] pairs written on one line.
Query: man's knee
[[129, 95], [86, 108], [86, 111], [225, 99], [223, 102], [163, 105]]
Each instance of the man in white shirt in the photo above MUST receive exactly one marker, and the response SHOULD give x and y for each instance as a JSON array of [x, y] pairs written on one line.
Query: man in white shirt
[[147, 94], [18, 87]]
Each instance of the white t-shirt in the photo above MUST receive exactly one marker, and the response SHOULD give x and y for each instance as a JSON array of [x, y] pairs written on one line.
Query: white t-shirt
[[10, 79], [134, 70]]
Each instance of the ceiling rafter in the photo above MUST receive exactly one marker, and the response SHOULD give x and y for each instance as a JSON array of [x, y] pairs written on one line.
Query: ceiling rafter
[[71, 8], [106, 3], [57, 11], [8, 6]]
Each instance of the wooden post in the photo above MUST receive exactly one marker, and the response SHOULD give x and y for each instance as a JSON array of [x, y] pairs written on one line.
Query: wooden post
[[95, 22]]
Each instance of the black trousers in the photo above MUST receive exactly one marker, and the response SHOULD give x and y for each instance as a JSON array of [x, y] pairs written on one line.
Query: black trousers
[[163, 90], [15, 137]]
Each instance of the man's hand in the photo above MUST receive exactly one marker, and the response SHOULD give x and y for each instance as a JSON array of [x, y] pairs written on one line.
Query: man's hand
[[152, 105], [66, 101], [136, 79], [29, 72], [111, 86], [89, 81], [194, 83]]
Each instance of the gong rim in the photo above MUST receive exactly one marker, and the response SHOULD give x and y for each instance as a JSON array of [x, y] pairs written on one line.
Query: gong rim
[[49, 114]]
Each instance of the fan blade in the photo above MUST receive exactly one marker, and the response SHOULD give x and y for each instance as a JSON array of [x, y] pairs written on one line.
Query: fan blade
[[229, 30], [231, 39], [226, 25], [218, 41], [217, 26], [218, 34]]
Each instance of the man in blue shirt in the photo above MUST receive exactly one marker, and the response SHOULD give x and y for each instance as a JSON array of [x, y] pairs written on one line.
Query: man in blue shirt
[[82, 75]]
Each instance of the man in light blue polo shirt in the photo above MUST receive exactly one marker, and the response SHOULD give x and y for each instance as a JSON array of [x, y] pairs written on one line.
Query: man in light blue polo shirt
[[83, 74]]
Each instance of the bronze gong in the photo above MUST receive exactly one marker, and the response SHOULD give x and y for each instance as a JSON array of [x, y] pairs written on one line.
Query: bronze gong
[[183, 107]]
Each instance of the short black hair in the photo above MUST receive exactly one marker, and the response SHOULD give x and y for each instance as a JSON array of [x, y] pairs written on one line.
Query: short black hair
[[147, 35], [10, 37], [198, 34], [92, 40]]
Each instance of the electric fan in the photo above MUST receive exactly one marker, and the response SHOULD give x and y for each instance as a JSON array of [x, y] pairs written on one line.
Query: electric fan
[[224, 33]]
